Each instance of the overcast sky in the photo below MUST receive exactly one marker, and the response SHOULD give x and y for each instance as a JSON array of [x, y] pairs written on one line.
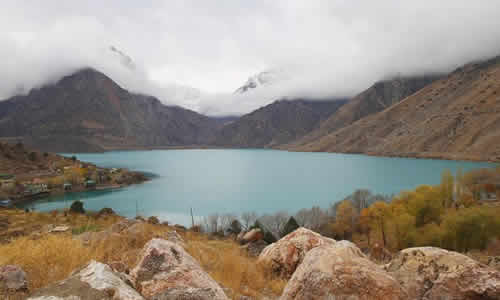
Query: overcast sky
[[326, 48]]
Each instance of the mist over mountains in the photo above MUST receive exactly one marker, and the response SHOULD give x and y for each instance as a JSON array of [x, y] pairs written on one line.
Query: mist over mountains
[[196, 55]]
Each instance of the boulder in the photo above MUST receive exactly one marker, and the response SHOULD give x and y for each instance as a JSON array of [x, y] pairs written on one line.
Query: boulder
[[174, 237], [239, 237], [60, 228], [12, 280], [166, 271], [254, 249], [494, 262], [252, 236], [434, 273], [285, 255], [95, 281], [341, 271], [122, 225]]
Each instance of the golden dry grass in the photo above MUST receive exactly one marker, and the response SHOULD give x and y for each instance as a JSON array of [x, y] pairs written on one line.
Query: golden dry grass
[[232, 267], [48, 258]]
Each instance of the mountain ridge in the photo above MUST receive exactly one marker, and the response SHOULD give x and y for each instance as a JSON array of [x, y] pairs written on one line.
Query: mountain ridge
[[455, 117]]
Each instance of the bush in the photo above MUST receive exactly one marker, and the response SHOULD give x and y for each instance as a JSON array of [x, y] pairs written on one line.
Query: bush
[[77, 207], [235, 227], [290, 226]]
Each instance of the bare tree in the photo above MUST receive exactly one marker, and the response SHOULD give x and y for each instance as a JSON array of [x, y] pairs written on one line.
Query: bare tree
[[248, 219], [275, 223], [311, 218]]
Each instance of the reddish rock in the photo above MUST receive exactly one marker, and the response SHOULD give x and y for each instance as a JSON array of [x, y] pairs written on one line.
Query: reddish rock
[[166, 271], [252, 236], [433, 273], [341, 271], [285, 255], [12, 280]]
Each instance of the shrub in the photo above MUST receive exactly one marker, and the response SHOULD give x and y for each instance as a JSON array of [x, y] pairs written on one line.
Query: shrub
[[290, 226], [77, 207]]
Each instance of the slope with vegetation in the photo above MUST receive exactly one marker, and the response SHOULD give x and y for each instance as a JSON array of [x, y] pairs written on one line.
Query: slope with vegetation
[[456, 117], [28, 174]]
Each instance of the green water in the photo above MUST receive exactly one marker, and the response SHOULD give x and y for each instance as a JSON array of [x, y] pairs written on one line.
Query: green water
[[234, 181]]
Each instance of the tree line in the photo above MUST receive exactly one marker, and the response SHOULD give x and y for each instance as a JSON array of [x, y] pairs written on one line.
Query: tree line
[[451, 215]]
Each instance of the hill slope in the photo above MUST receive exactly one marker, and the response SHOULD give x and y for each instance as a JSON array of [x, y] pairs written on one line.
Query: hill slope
[[376, 98], [87, 111], [456, 117], [277, 123]]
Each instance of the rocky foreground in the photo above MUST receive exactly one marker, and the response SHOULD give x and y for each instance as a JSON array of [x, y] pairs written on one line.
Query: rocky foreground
[[316, 268]]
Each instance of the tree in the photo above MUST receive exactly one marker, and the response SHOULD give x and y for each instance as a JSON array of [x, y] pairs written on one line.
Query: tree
[[344, 220], [248, 218], [290, 226], [446, 187], [235, 227], [77, 207], [378, 214], [275, 223]]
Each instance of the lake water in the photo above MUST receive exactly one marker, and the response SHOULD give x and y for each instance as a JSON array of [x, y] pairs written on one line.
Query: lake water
[[234, 181]]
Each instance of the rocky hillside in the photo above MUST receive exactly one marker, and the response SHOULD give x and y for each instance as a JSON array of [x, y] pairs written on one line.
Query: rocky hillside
[[87, 111], [280, 122], [456, 117], [376, 98]]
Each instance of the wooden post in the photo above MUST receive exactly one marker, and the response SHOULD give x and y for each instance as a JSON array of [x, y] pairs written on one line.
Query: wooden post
[[192, 218]]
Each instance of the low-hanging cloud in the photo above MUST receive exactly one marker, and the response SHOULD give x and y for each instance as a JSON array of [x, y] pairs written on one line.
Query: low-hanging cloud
[[197, 53]]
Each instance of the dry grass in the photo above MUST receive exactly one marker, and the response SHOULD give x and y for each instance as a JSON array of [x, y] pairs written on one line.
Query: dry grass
[[48, 258], [232, 267]]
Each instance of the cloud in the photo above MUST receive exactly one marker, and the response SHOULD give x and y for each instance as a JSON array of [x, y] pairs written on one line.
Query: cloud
[[196, 53]]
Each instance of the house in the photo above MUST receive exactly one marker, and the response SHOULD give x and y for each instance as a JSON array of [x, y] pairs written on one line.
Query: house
[[487, 191], [90, 184], [34, 188], [7, 181], [67, 186]]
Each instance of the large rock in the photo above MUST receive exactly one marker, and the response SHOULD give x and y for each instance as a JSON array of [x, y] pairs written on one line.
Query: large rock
[[285, 255], [341, 271], [433, 273], [12, 280], [95, 281], [166, 271], [254, 249], [252, 236]]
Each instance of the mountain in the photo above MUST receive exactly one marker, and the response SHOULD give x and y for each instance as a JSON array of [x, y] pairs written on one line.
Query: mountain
[[456, 117], [266, 78], [378, 97], [87, 111], [277, 123]]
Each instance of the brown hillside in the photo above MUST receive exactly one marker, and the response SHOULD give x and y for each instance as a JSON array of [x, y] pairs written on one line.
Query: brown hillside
[[456, 117], [277, 123], [88, 111], [376, 98]]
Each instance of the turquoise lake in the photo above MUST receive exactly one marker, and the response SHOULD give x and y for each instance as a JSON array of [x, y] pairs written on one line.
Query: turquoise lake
[[234, 181]]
